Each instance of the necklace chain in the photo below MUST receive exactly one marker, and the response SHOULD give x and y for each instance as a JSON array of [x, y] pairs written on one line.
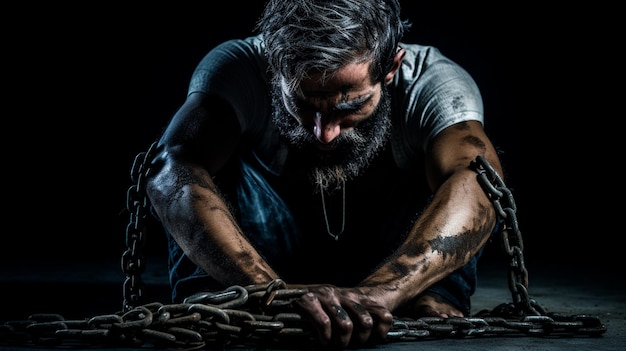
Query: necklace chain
[[343, 213]]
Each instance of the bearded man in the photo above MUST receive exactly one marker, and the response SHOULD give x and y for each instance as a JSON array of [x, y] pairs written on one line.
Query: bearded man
[[326, 152]]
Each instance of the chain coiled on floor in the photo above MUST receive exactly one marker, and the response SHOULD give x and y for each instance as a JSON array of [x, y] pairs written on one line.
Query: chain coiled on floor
[[264, 315], [259, 316]]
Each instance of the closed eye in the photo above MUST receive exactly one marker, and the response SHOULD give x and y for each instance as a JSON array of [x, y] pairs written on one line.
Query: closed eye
[[353, 106]]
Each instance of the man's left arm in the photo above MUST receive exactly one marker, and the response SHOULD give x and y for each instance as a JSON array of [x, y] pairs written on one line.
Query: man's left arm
[[453, 227]]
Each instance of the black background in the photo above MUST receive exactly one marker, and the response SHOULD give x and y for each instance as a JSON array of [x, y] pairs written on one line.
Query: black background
[[87, 88]]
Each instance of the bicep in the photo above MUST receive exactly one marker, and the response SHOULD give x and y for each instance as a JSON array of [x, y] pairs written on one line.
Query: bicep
[[204, 131], [454, 148]]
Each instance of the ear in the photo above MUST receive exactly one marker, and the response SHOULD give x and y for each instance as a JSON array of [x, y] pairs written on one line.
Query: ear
[[397, 60]]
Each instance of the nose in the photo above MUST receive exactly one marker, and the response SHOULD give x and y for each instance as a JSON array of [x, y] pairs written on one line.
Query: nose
[[326, 130]]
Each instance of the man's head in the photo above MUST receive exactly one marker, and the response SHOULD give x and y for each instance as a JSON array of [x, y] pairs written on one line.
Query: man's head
[[346, 155], [305, 36], [330, 63]]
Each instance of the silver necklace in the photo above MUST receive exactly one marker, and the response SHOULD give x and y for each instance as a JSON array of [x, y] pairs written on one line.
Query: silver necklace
[[343, 212]]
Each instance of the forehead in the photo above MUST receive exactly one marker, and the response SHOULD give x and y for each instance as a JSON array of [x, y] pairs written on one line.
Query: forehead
[[349, 78]]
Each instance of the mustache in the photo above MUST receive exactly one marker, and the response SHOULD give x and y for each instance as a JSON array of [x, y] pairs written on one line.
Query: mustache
[[351, 151]]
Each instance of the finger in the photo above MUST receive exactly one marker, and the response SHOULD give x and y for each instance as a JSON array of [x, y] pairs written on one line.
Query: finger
[[312, 307], [362, 321], [342, 325], [382, 320]]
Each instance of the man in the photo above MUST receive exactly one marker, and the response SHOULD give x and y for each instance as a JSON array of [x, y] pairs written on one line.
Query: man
[[326, 152]]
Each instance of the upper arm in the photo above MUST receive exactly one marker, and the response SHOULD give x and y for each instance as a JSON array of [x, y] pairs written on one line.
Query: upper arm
[[227, 97], [204, 131], [455, 147]]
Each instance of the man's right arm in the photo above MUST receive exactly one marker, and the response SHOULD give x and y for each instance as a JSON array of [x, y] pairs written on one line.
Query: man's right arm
[[201, 137]]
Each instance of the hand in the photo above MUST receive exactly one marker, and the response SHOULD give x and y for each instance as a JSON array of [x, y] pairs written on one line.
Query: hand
[[344, 316]]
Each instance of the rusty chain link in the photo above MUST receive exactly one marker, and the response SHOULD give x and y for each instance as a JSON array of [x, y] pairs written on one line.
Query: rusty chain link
[[264, 315]]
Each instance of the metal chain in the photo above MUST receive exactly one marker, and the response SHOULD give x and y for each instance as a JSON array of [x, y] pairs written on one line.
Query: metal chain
[[511, 239], [257, 316], [137, 204], [264, 315]]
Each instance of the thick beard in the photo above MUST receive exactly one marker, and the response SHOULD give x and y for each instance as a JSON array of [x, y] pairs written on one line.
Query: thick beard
[[353, 151]]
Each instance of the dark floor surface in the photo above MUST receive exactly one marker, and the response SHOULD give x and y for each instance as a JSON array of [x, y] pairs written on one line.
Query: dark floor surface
[[86, 289]]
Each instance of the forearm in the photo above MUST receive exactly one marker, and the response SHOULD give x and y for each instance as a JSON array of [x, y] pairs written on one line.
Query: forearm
[[452, 229], [190, 207]]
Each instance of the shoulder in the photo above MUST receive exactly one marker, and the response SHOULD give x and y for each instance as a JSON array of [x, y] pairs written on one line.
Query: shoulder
[[421, 53], [427, 65], [431, 93], [428, 75], [248, 49], [251, 46], [231, 65]]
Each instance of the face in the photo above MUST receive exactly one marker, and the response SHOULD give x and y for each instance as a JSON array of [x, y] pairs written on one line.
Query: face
[[338, 126]]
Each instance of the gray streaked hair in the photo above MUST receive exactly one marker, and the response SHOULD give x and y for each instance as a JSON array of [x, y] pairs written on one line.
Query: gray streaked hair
[[321, 36]]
